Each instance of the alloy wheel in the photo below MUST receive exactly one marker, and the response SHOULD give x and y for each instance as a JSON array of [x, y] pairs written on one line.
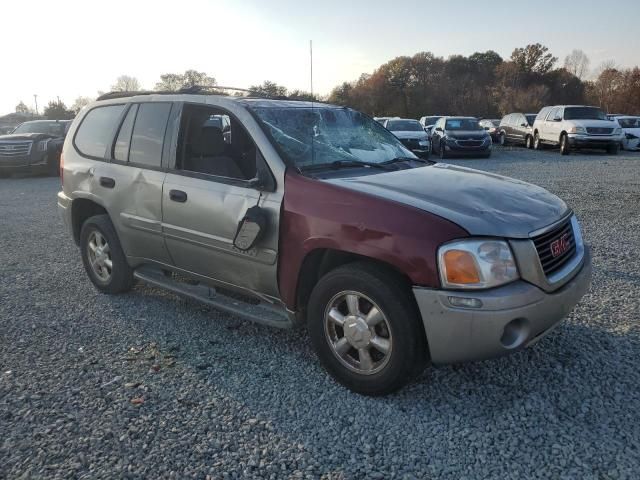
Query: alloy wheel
[[358, 332], [100, 256]]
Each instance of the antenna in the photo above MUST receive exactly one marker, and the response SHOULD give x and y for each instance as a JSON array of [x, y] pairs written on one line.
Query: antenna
[[313, 130]]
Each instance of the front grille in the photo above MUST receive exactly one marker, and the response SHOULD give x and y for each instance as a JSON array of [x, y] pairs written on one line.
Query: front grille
[[15, 149], [470, 143], [410, 143], [544, 243], [599, 130]]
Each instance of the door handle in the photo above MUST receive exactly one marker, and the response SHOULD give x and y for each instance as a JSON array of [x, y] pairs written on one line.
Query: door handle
[[178, 196], [107, 182]]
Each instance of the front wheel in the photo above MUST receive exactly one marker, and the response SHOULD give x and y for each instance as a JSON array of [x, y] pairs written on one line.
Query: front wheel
[[366, 330], [502, 139], [528, 142], [537, 142], [102, 256], [565, 148], [441, 151]]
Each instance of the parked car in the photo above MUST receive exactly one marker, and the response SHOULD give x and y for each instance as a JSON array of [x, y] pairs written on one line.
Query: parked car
[[576, 126], [411, 134], [381, 120], [491, 126], [460, 136], [315, 214], [33, 146], [428, 122], [631, 130], [612, 116], [517, 128]]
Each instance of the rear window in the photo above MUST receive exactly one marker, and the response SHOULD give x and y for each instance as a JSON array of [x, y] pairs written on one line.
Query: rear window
[[95, 132], [148, 134]]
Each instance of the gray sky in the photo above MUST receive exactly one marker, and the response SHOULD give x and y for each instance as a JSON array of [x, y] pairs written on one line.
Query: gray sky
[[69, 48]]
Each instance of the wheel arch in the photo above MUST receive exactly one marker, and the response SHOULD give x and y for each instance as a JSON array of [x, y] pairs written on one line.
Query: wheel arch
[[320, 261], [81, 210]]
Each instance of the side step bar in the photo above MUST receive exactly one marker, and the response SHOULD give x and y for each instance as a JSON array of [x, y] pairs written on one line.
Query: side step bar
[[263, 312]]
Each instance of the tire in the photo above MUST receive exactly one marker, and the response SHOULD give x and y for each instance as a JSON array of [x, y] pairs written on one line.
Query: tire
[[115, 279], [400, 329], [502, 139], [537, 143], [565, 148], [441, 151], [528, 142], [613, 149], [53, 167]]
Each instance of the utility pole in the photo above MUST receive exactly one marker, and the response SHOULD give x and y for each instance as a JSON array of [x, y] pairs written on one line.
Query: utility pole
[[35, 98]]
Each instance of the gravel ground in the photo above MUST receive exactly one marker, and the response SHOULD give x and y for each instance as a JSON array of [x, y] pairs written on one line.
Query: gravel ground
[[150, 385]]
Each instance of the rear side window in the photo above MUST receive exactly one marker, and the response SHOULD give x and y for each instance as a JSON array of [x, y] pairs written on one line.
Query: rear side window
[[148, 134], [121, 149], [95, 132]]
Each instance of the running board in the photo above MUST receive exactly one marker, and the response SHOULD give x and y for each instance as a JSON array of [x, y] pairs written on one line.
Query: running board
[[263, 313]]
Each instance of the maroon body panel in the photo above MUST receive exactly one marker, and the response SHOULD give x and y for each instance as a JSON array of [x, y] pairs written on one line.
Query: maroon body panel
[[319, 215]]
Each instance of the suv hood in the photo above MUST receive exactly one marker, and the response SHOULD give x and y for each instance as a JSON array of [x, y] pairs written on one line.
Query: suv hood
[[411, 134], [594, 123], [482, 203], [26, 136], [466, 134]]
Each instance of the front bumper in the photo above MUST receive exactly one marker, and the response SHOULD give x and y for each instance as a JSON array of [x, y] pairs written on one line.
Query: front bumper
[[512, 317], [25, 163], [593, 141]]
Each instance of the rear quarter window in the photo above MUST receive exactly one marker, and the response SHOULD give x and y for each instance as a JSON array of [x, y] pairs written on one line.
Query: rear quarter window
[[96, 130], [148, 134]]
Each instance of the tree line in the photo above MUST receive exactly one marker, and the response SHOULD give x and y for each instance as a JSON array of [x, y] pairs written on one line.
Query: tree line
[[482, 84]]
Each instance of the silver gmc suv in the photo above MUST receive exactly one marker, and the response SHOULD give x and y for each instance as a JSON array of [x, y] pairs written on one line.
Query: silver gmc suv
[[288, 213]]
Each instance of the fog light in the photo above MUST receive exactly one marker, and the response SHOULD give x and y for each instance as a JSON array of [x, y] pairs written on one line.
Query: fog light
[[465, 302]]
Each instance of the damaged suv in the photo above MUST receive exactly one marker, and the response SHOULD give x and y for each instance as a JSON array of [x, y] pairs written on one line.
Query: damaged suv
[[33, 146], [314, 214]]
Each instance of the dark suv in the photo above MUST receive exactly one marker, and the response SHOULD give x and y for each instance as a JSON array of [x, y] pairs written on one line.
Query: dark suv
[[460, 136], [517, 128], [33, 147]]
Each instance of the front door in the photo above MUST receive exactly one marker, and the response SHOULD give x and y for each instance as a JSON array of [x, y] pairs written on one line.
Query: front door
[[207, 194]]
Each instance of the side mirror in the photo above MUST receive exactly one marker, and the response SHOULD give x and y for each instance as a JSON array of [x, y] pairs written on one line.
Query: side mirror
[[251, 228], [486, 128], [439, 129], [523, 125]]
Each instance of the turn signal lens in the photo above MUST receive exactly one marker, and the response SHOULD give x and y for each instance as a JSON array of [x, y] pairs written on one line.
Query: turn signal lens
[[460, 267]]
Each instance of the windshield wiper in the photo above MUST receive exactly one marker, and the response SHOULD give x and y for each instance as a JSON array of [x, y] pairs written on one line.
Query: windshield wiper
[[338, 164], [406, 159]]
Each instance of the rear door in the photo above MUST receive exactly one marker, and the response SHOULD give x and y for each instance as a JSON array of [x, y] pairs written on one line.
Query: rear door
[[205, 196], [127, 180]]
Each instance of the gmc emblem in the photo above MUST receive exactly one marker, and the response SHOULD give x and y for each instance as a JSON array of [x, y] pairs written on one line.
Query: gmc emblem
[[560, 246]]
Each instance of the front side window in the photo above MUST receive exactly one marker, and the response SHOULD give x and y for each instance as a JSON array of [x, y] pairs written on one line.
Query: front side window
[[95, 132], [323, 135], [584, 113], [213, 143], [462, 124], [148, 134]]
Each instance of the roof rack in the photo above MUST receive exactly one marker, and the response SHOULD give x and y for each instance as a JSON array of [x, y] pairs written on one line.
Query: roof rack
[[192, 90]]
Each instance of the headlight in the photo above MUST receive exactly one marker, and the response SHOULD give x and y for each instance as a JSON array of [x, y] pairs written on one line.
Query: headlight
[[476, 263], [577, 130], [43, 144], [617, 131]]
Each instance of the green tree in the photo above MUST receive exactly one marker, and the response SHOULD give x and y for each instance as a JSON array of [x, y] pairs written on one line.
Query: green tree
[[58, 111], [125, 83], [190, 78], [534, 58], [268, 89], [22, 108]]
